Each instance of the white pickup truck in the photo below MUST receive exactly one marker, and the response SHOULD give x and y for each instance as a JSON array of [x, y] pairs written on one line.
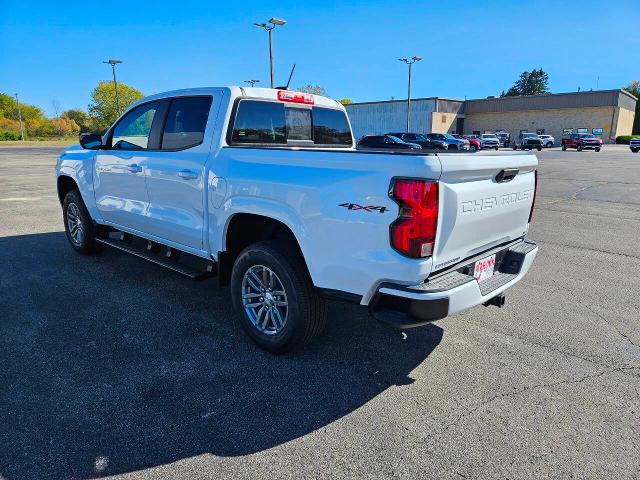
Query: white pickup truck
[[264, 189]]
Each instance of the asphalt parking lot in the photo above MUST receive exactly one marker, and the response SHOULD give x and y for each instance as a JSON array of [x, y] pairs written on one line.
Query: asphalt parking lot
[[112, 366]]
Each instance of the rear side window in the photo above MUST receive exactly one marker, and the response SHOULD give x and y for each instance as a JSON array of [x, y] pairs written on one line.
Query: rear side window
[[276, 123], [186, 122], [259, 122], [330, 127]]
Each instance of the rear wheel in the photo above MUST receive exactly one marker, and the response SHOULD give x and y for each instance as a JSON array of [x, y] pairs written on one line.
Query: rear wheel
[[564, 147], [472, 148], [274, 298], [539, 149], [549, 145], [579, 147], [78, 224], [597, 149], [515, 147]]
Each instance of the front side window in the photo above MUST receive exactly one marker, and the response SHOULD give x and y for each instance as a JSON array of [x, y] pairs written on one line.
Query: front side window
[[132, 132], [186, 122]]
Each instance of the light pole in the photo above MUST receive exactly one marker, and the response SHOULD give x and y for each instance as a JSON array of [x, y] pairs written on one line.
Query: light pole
[[409, 62], [269, 28], [252, 82], [113, 64], [20, 118]]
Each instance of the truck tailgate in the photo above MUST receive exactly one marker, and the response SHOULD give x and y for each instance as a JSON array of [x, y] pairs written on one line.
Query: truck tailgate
[[477, 210]]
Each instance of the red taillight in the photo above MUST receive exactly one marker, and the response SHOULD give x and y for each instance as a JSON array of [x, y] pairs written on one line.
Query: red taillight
[[295, 97], [414, 232], [535, 192]]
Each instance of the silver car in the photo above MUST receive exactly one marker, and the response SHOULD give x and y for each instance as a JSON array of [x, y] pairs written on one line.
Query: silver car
[[489, 140], [547, 140]]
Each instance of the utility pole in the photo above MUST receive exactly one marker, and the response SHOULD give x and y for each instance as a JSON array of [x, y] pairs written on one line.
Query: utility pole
[[113, 64], [409, 62], [20, 118], [269, 28]]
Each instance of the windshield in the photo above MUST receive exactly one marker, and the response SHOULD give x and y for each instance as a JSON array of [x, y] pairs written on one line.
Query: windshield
[[395, 139], [530, 135], [588, 135], [491, 136]]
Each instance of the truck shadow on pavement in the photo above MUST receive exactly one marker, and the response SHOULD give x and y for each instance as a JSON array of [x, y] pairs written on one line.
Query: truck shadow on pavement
[[112, 365]]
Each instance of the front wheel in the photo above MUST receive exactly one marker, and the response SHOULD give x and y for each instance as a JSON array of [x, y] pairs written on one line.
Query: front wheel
[[539, 149], [564, 147], [635, 150], [579, 148], [473, 148], [274, 298], [78, 224], [597, 149], [515, 147]]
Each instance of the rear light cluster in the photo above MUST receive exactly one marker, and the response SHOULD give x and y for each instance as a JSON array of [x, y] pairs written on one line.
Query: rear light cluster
[[413, 233], [295, 97], [535, 192]]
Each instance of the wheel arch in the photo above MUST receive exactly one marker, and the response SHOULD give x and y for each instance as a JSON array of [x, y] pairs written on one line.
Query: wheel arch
[[243, 229], [65, 184]]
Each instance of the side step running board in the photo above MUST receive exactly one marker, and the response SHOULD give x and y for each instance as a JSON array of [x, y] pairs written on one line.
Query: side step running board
[[154, 255]]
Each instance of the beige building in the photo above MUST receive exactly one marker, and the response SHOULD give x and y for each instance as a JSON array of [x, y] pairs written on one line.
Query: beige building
[[607, 113]]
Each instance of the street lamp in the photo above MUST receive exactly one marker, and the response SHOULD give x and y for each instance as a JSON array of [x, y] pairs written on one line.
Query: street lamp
[[409, 62], [273, 23], [113, 64], [252, 82], [20, 118]]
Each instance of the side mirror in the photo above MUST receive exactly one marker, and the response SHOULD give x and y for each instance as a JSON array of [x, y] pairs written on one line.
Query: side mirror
[[91, 141]]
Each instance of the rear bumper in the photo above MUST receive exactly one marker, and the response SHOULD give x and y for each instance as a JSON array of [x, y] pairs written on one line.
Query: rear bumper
[[451, 292]]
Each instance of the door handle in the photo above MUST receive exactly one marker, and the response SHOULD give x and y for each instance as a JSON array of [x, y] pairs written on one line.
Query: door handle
[[134, 168], [189, 174]]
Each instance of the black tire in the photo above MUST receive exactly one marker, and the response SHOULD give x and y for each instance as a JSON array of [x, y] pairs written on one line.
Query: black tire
[[73, 207], [549, 145], [497, 149], [597, 149], [452, 147], [579, 148], [539, 149], [473, 148], [306, 312], [515, 147], [635, 150], [564, 147]]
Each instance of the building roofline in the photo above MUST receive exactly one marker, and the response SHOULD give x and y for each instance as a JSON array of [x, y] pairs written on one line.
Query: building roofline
[[405, 100], [583, 92]]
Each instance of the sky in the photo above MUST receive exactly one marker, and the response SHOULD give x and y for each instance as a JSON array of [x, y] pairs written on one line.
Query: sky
[[51, 52]]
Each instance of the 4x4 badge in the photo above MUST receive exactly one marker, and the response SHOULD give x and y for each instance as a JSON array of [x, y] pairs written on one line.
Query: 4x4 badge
[[367, 208]]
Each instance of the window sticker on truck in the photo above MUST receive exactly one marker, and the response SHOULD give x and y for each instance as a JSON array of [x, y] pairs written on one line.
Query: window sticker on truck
[[367, 208]]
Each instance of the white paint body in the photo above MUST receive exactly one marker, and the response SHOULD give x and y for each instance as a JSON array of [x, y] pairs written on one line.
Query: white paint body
[[345, 250]]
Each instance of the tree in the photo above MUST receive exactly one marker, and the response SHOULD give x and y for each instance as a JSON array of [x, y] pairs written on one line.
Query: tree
[[314, 89], [345, 101], [103, 103], [535, 82], [82, 119], [634, 89]]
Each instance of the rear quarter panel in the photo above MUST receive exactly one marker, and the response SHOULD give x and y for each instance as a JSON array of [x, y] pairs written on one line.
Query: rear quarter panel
[[324, 197]]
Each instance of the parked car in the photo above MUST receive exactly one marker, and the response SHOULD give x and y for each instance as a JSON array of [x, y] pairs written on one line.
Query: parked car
[[581, 141], [489, 140], [387, 142], [417, 138], [448, 141], [528, 141], [547, 140], [474, 143], [634, 145], [504, 137], [263, 189]]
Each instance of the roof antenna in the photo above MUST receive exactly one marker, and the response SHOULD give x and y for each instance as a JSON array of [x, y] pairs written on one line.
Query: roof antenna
[[286, 87]]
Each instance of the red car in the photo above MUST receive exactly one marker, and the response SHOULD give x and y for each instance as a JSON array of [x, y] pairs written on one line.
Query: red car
[[474, 142], [581, 141]]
